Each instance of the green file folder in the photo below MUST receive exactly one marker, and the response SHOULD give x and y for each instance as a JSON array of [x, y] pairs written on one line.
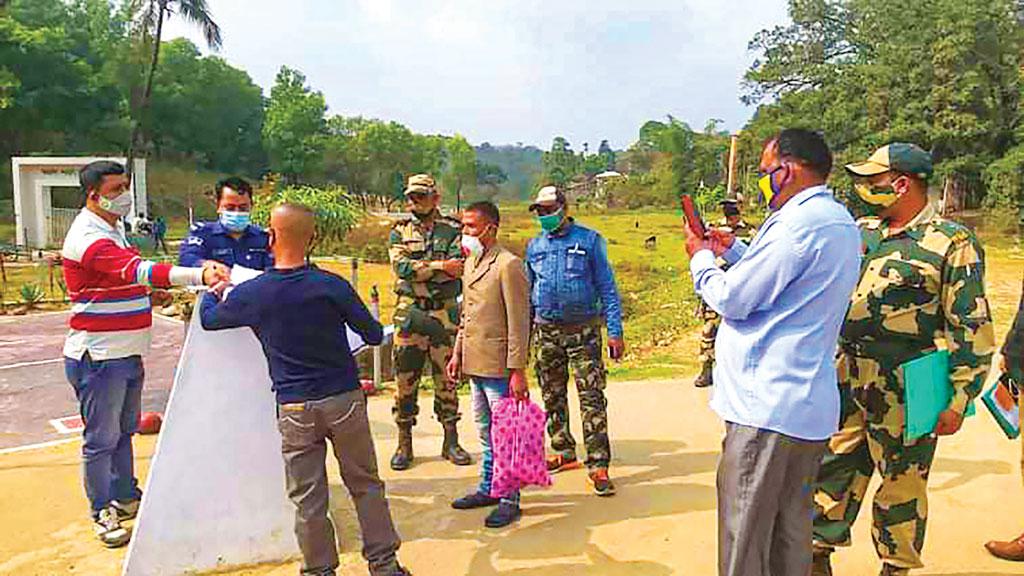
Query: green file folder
[[927, 393]]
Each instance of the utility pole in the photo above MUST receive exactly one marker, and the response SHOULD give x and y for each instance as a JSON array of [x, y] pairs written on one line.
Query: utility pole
[[730, 190]]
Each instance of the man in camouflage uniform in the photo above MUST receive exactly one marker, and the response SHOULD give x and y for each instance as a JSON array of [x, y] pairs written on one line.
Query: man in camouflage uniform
[[732, 223], [426, 255], [572, 294], [921, 288], [1012, 365]]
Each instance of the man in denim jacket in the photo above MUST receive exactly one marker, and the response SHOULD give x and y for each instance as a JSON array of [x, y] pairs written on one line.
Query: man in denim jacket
[[572, 293]]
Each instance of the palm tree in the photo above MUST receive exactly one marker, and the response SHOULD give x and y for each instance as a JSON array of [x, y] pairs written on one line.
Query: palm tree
[[152, 14]]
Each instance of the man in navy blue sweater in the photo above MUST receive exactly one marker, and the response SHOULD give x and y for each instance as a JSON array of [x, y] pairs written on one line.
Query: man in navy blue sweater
[[299, 314]]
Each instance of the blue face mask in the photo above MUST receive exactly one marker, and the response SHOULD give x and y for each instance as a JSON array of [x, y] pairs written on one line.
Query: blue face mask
[[235, 221]]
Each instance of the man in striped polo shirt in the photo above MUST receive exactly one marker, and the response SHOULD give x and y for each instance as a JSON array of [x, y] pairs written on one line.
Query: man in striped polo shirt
[[111, 315]]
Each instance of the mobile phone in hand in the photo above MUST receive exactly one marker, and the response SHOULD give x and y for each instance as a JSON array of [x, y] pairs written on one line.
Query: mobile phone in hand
[[693, 219]]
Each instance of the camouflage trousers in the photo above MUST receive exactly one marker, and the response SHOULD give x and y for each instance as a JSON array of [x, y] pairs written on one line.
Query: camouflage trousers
[[423, 336], [707, 335], [870, 439], [556, 348]]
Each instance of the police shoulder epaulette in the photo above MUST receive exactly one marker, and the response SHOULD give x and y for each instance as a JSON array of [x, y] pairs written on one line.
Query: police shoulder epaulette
[[197, 226]]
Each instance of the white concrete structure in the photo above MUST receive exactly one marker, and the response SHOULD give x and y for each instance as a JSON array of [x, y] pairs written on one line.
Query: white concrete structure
[[216, 490], [39, 224], [216, 494]]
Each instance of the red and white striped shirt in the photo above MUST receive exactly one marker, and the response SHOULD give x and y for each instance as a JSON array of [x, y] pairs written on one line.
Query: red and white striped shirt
[[109, 284]]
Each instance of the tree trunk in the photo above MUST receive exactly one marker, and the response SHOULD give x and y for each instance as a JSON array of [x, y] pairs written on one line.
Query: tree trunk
[[134, 141]]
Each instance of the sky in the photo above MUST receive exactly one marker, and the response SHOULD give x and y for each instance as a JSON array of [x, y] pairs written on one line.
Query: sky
[[506, 71]]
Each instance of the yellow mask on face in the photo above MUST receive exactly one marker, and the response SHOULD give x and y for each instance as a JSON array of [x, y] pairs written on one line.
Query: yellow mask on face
[[880, 197], [767, 190]]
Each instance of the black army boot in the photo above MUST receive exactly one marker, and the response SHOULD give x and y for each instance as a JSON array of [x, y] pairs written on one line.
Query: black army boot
[[821, 565], [450, 450], [402, 459], [704, 379]]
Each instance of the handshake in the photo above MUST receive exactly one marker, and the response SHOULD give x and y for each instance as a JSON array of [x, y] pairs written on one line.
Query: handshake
[[216, 276]]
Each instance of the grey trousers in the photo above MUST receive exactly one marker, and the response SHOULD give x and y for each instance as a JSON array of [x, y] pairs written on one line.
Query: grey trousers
[[305, 428], [765, 502]]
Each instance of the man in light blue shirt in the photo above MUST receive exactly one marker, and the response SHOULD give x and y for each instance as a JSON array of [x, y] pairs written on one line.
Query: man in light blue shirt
[[782, 303]]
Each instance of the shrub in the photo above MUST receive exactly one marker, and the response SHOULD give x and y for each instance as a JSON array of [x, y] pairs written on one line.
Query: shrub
[[32, 294], [336, 213]]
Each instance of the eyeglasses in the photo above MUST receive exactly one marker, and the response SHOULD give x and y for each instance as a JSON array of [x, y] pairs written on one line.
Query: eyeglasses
[[417, 196]]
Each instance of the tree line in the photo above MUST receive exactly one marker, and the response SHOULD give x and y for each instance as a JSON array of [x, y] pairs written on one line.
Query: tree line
[[76, 75], [945, 74]]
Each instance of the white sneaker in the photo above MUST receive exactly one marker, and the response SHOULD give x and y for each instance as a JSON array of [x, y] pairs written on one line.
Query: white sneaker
[[109, 530], [126, 510]]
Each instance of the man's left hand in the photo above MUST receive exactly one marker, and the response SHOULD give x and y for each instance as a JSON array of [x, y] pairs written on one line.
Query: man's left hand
[[949, 423], [518, 385], [616, 348], [695, 243]]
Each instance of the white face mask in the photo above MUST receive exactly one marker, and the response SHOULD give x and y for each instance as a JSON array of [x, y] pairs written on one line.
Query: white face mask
[[472, 245], [120, 205]]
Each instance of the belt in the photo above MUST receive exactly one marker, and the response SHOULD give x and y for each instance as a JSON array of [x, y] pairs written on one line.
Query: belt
[[432, 305], [857, 350], [569, 326]]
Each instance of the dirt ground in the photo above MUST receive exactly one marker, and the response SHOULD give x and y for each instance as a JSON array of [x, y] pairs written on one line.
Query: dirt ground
[[662, 521]]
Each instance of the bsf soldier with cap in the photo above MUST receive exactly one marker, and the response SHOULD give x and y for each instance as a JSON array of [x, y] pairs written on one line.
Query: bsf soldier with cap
[[921, 289], [426, 255], [733, 223]]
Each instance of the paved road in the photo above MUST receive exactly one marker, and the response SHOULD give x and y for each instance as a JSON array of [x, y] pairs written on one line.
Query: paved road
[[33, 389]]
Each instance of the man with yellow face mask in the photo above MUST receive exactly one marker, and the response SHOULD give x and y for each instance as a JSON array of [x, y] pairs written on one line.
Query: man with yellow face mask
[[921, 284]]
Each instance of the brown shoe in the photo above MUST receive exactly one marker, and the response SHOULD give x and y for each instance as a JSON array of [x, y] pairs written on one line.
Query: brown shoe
[[1012, 550], [821, 565]]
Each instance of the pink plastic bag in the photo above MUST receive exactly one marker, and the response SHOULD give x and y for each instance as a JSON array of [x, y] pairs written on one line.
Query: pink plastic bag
[[517, 441]]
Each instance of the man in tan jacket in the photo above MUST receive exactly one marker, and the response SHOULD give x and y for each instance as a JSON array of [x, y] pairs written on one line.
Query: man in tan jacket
[[492, 347]]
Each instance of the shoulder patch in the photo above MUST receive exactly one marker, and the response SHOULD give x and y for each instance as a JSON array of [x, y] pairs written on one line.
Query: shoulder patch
[[451, 222], [956, 231], [197, 226], [193, 241]]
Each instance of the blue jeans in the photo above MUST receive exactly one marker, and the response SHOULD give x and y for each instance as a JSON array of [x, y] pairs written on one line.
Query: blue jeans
[[487, 392], [110, 401]]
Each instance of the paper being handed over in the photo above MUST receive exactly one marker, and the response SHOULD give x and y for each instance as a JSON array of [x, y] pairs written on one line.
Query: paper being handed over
[[241, 274]]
